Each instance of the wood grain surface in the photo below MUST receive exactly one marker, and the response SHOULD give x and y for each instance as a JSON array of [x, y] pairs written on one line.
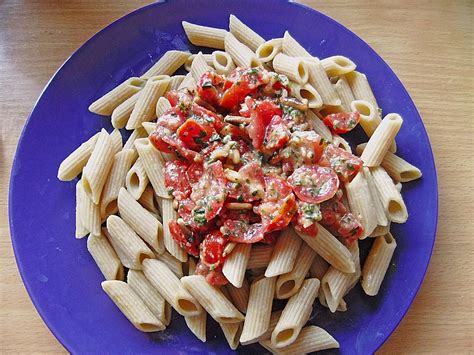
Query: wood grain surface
[[429, 44]]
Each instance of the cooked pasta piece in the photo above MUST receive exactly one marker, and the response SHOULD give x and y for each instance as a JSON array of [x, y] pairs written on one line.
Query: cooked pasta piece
[[168, 213], [222, 62], [259, 309], [337, 65], [87, 212], [149, 127], [318, 125], [167, 64], [236, 264], [369, 116], [291, 47], [188, 83], [190, 60], [136, 134], [342, 307], [345, 94], [240, 53], [311, 339], [293, 68], [175, 81], [199, 67], [330, 249], [232, 333], [391, 198], [288, 284], [127, 244], [204, 36], [274, 318], [105, 257], [173, 264], [318, 268], [244, 33], [361, 203], [284, 254], [141, 221], [116, 138], [379, 211], [260, 256], [377, 263], [239, 295], [319, 80], [154, 165], [116, 179], [269, 49], [136, 179], [340, 142], [107, 103], [122, 112], [380, 141], [147, 200], [132, 306], [145, 108], [169, 286], [308, 92], [295, 314], [75, 162], [149, 295], [196, 324], [98, 167], [162, 105], [212, 299]]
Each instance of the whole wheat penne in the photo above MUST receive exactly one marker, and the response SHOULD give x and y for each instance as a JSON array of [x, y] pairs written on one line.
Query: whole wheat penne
[[136, 179], [311, 339], [318, 125], [98, 167], [132, 306], [222, 62], [239, 295], [291, 47], [236, 263], [345, 94], [318, 268], [337, 65], [168, 213], [199, 66], [319, 80], [269, 49], [122, 112], [295, 314], [391, 198], [259, 309], [106, 104], [288, 284], [244, 33], [212, 299], [293, 68], [173, 264], [204, 36], [141, 221], [87, 212], [240, 53], [232, 333], [145, 107], [162, 105], [380, 141], [284, 254], [116, 179], [149, 295], [73, 164], [147, 200], [377, 262], [105, 257], [127, 244], [167, 64], [260, 256], [154, 165]]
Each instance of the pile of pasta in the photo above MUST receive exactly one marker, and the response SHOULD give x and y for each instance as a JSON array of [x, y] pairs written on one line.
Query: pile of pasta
[[124, 208]]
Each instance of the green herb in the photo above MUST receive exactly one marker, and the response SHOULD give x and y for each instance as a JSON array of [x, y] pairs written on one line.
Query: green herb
[[207, 84], [199, 216], [215, 137]]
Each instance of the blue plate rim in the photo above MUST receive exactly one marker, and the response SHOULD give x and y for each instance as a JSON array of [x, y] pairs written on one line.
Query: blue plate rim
[[56, 332]]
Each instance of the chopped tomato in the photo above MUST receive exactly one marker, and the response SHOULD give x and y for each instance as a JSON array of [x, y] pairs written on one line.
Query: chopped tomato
[[342, 122], [195, 135], [332, 210], [261, 114], [276, 189], [214, 277], [239, 84], [276, 216], [175, 97], [190, 243], [209, 88], [178, 147], [178, 187], [212, 249], [193, 173], [171, 119], [242, 231], [185, 212], [306, 217], [314, 184], [345, 164], [208, 117], [234, 131], [349, 227], [277, 135], [252, 187], [156, 138], [270, 238]]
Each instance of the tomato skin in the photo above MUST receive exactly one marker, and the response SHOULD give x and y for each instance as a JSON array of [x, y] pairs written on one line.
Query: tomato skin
[[243, 232], [331, 211], [209, 87], [212, 249], [349, 227], [277, 135], [189, 243], [194, 135], [178, 147], [174, 170], [281, 215], [314, 184], [345, 164], [261, 114], [342, 122], [239, 84]]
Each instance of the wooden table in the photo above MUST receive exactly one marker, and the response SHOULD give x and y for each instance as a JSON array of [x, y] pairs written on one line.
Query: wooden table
[[429, 44]]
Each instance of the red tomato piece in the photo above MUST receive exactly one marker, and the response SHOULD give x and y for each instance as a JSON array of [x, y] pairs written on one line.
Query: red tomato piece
[[214, 277], [270, 238], [306, 217], [185, 212], [261, 115], [331, 211], [194, 173], [171, 119], [345, 164], [208, 117], [276, 216], [243, 232], [175, 97], [342, 122], [349, 227], [190, 243], [239, 84], [314, 184], [174, 182], [212, 249], [252, 187], [195, 135], [210, 86], [277, 135], [276, 189], [156, 138], [178, 147]]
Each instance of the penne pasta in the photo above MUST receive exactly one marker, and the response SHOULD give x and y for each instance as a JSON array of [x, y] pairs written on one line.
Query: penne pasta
[[308, 92], [260, 256], [136, 179], [167, 64], [236, 263], [239, 295], [346, 96], [292, 48], [378, 209], [259, 309], [318, 126], [369, 116], [318, 268], [116, 138], [145, 107], [141, 221], [232, 333], [268, 50], [377, 262], [199, 67], [106, 104], [162, 105], [222, 62], [136, 134], [188, 83], [197, 325], [127, 244], [340, 142], [87, 213], [240, 53], [244, 33], [75, 162], [175, 81], [149, 127], [147, 200], [274, 318], [204, 36], [212, 299], [288, 284], [293, 68], [105, 257], [337, 65], [319, 80], [168, 213], [80, 230], [122, 112], [173, 264], [284, 254], [169, 286], [132, 306]]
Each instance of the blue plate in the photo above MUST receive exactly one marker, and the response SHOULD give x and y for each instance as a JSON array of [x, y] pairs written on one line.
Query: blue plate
[[59, 273]]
